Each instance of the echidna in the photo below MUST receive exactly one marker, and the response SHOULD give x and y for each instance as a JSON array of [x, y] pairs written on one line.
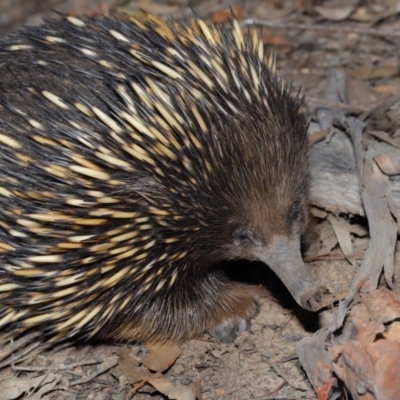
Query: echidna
[[134, 157]]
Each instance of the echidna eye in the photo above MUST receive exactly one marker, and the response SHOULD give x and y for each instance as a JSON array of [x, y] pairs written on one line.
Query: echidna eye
[[296, 211], [243, 237]]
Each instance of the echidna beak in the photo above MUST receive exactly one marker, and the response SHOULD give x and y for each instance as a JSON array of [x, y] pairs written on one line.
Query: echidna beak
[[283, 256]]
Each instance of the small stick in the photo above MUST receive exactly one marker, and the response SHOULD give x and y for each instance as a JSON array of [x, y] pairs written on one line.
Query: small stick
[[336, 105], [322, 28]]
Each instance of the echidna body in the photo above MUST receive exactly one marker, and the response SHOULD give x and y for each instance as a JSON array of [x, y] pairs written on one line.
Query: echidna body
[[134, 158]]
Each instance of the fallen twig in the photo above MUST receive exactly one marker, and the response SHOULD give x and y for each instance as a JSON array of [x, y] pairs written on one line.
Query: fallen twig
[[322, 28]]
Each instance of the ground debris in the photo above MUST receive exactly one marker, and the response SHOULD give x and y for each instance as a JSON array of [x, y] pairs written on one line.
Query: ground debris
[[368, 361]]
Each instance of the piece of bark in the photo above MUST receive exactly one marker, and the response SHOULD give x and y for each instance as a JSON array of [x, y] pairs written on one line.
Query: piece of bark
[[334, 183], [316, 362], [368, 362], [383, 231]]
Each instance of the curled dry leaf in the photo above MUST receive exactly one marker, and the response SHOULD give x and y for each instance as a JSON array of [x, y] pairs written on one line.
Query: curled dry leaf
[[385, 69], [362, 14], [129, 367], [389, 163], [385, 137], [225, 14], [369, 362], [158, 8], [370, 372], [13, 388], [342, 232], [358, 92], [386, 89], [172, 392], [161, 357], [319, 135], [339, 13], [377, 199]]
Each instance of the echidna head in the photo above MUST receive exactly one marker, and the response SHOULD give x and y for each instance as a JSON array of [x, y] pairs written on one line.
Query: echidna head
[[272, 236], [262, 195]]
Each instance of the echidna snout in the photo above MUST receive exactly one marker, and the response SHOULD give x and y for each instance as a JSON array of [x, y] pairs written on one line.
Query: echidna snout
[[134, 157], [284, 258], [272, 235]]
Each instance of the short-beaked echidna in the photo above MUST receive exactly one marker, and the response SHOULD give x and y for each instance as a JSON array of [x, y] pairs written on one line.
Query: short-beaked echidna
[[134, 157]]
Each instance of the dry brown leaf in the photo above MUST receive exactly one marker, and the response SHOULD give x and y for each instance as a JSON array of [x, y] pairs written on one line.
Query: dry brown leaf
[[172, 392], [328, 238], [318, 213], [129, 367], [387, 89], [224, 15], [391, 10], [161, 357], [393, 332], [383, 305], [386, 69], [317, 136], [361, 14], [48, 384], [342, 232], [197, 389], [158, 8], [13, 388], [369, 365], [317, 364], [389, 163], [338, 13], [377, 197], [370, 372], [272, 12], [382, 135], [357, 93], [274, 39]]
